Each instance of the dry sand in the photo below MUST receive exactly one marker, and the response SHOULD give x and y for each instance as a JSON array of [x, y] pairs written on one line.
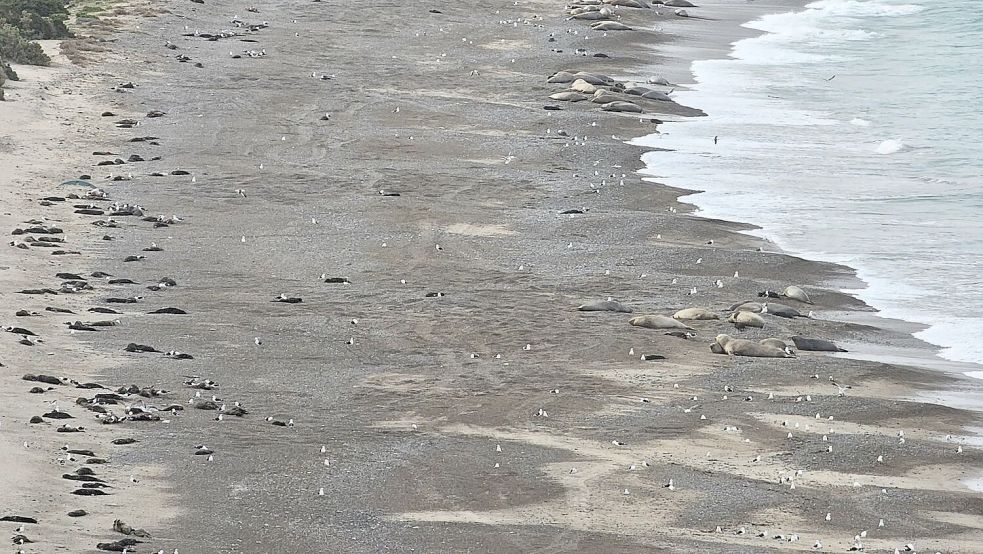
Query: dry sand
[[494, 417]]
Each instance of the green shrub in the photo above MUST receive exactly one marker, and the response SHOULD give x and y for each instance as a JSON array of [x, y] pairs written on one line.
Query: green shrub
[[17, 49], [37, 19]]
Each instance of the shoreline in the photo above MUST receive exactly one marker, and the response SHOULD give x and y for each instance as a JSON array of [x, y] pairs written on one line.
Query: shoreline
[[895, 321], [410, 422]]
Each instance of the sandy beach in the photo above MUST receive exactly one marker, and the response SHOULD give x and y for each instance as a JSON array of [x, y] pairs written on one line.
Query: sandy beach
[[425, 383]]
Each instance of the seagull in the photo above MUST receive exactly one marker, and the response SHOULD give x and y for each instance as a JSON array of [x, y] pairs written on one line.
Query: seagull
[[258, 341], [241, 192]]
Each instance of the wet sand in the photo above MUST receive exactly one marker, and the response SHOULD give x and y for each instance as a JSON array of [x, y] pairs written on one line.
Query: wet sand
[[478, 419]]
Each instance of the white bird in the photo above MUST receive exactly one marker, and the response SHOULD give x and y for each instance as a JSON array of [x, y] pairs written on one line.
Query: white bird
[[498, 448], [324, 449], [320, 491], [829, 516], [258, 341]]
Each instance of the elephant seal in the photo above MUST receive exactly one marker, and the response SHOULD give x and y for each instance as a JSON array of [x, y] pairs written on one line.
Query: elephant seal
[[777, 343], [746, 306], [741, 347], [583, 86], [795, 293], [568, 96], [780, 310], [592, 15], [695, 313], [628, 3], [746, 319], [657, 322], [603, 96], [594, 78], [620, 106], [656, 95], [604, 306], [678, 4], [609, 26], [815, 345], [561, 77]]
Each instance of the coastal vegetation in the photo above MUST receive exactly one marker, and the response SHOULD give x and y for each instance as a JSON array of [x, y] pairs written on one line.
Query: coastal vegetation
[[24, 21]]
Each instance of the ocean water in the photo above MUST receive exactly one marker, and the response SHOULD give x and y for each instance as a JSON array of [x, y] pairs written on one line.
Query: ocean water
[[851, 131]]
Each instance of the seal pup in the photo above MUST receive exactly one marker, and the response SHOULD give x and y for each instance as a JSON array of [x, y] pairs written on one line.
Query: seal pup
[[743, 319], [657, 322], [287, 299], [741, 347], [815, 345], [604, 306], [695, 313]]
